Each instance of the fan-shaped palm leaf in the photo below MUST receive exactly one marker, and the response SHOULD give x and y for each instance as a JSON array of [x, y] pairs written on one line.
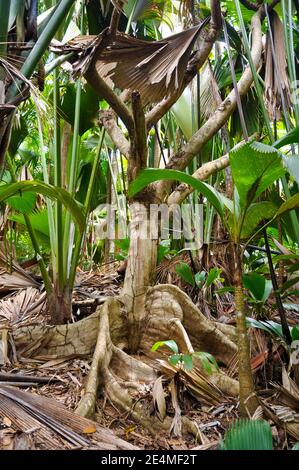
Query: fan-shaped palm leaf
[[153, 68]]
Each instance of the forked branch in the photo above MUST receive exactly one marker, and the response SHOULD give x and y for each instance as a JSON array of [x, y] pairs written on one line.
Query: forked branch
[[180, 160]]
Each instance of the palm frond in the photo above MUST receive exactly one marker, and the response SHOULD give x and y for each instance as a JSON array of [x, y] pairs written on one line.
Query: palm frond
[[210, 97], [153, 68], [248, 435], [277, 87]]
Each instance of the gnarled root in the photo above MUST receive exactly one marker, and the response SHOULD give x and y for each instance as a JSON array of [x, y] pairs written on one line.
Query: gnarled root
[[126, 380], [166, 301]]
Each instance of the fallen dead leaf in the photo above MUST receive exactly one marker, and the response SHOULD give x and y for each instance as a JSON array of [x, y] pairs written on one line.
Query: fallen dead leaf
[[90, 429]]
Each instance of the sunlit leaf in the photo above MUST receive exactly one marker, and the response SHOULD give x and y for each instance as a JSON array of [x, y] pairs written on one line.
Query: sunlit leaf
[[291, 137], [150, 175], [290, 204], [170, 343]]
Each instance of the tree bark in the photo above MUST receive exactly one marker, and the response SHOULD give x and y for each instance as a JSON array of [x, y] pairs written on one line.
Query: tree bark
[[248, 398]]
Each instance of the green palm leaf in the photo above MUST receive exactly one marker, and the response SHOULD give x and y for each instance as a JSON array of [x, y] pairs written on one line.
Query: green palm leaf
[[47, 190], [248, 435]]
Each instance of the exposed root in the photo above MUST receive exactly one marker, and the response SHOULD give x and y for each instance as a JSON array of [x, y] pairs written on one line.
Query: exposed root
[[51, 342], [127, 380], [100, 362], [165, 302]]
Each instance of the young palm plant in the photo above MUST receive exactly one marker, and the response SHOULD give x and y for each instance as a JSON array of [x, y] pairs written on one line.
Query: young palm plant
[[254, 167], [65, 255]]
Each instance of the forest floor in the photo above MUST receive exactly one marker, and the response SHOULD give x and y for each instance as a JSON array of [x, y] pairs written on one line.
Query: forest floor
[[64, 380]]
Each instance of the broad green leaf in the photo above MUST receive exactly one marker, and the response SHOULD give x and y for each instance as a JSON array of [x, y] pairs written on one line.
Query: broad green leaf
[[214, 273], [135, 8], [268, 290], [175, 359], [162, 252], [207, 361], [47, 190], [39, 222], [99, 193], [255, 283], [290, 204], [88, 110], [170, 343], [200, 279], [187, 361], [291, 137], [255, 214], [254, 166], [186, 273], [150, 175], [23, 203], [123, 244], [269, 326]]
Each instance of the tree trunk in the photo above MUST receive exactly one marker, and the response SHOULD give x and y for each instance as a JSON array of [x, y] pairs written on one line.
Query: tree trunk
[[142, 258], [60, 306], [248, 399]]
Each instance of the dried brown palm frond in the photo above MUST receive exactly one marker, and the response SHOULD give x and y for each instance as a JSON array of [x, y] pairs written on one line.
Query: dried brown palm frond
[[277, 87], [15, 281], [12, 275], [284, 409], [23, 306], [153, 68], [198, 384], [54, 426], [210, 97]]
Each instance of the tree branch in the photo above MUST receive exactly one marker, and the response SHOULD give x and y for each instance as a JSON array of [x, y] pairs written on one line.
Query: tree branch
[[180, 160], [108, 119], [104, 91], [195, 63], [206, 170]]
